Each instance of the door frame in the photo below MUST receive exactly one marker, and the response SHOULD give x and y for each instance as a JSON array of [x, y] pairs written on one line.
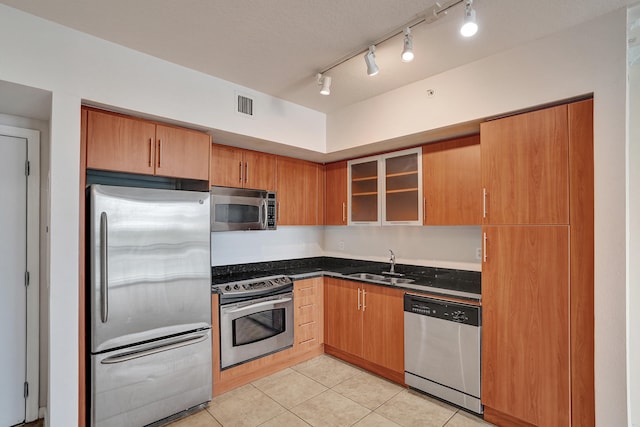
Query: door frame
[[33, 266]]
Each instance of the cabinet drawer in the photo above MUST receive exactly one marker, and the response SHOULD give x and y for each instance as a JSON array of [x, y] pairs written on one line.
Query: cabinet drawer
[[307, 332], [309, 290], [306, 314], [306, 296]]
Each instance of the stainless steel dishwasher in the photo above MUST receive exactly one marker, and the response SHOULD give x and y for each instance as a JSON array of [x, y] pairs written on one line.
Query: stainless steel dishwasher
[[442, 350]]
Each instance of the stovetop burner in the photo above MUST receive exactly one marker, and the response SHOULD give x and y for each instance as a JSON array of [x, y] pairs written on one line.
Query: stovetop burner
[[253, 287]]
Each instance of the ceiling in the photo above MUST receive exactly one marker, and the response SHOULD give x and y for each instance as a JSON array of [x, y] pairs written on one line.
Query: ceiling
[[277, 46]]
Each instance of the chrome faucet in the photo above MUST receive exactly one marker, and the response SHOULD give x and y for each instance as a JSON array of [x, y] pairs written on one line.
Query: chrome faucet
[[392, 260]]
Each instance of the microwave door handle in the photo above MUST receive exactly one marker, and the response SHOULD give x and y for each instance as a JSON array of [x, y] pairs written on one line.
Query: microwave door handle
[[263, 212], [259, 304]]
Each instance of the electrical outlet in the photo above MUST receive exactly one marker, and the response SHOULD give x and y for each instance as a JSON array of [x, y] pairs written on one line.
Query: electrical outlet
[[341, 245], [478, 253]]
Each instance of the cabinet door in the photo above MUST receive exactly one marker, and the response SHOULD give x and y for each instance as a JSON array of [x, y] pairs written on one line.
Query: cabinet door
[[343, 317], [297, 187], [383, 326], [364, 206], [119, 143], [259, 170], [182, 153], [525, 331], [402, 201], [451, 182], [336, 193], [525, 161], [226, 166]]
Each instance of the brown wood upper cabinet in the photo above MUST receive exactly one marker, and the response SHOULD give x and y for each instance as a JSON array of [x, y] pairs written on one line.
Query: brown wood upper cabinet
[[451, 182], [386, 189], [299, 191], [125, 144], [365, 321], [336, 193], [236, 167], [525, 168]]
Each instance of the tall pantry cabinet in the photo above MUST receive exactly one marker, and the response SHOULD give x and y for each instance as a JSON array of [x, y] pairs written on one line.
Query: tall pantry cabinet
[[537, 271]]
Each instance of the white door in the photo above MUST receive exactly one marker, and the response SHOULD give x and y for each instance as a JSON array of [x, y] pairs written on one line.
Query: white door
[[13, 265]]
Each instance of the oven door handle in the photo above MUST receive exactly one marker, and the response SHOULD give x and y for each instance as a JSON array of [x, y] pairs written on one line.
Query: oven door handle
[[259, 304]]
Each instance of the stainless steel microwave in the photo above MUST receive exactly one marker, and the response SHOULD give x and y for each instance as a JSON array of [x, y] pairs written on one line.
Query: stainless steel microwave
[[242, 209]]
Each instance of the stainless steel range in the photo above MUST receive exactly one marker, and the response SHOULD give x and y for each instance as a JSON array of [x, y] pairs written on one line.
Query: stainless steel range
[[256, 318]]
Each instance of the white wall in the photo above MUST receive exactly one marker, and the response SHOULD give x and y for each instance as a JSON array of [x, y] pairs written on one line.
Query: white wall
[[633, 216], [47, 55], [589, 58], [447, 247], [238, 247], [64, 237]]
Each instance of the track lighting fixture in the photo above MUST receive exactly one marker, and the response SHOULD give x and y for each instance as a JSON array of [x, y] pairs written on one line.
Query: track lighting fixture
[[325, 83], [407, 51], [370, 60], [439, 9], [470, 26]]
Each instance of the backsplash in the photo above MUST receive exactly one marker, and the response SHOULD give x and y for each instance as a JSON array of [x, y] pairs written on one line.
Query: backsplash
[[240, 247], [444, 247]]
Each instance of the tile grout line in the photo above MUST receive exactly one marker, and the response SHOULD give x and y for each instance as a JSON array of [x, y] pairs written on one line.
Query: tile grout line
[[351, 375], [362, 371], [451, 417]]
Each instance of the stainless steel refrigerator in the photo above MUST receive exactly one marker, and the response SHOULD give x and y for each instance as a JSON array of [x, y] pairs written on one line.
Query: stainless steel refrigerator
[[150, 298]]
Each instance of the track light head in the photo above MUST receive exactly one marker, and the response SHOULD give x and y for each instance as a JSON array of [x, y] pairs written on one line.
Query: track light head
[[325, 83], [370, 60], [407, 51], [470, 26]]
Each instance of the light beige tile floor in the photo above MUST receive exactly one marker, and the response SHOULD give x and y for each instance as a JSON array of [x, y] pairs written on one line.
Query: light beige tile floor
[[326, 392]]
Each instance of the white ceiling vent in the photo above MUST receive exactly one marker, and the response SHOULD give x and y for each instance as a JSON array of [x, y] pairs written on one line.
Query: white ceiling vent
[[244, 105]]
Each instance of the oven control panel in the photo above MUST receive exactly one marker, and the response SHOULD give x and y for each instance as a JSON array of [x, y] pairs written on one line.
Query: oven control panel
[[254, 287]]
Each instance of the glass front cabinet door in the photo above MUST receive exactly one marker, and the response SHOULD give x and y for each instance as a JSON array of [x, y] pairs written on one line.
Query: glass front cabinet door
[[386, 189]]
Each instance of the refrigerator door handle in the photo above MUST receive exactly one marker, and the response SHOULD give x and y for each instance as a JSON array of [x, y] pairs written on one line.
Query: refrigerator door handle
[[155, 348], [104, 262]]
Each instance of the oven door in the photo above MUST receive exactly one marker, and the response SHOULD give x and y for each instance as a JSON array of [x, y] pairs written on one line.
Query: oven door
[[255, 328]]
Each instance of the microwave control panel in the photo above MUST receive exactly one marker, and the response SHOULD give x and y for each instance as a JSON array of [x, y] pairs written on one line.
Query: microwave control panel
[[271, 211]]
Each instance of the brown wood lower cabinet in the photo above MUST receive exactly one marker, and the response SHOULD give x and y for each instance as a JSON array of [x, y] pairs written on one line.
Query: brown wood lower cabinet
[[308, 315], [364, 324], [525, 337]]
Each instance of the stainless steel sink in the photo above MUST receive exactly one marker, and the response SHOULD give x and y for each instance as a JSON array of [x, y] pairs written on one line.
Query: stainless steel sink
[[398, 280], [366, 276], [380, 278]]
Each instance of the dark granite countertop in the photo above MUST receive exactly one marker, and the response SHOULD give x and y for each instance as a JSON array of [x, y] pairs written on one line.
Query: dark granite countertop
[[442, 281]]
